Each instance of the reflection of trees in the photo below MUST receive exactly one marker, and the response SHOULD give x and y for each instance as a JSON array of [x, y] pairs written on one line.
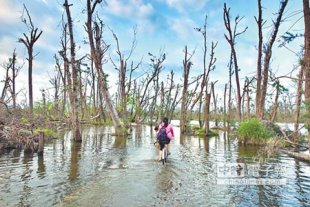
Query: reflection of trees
[[75, 157], [138, 136], [300, 190], [120, 142], [16, 155], [41, 167], [25, 177], [206, 144]]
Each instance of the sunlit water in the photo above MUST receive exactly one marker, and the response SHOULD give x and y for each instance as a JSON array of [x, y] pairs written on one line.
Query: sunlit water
[[105, 170]]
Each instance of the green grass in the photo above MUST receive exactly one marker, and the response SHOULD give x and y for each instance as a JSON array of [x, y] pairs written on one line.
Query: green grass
[[46, 131], [200, 132]]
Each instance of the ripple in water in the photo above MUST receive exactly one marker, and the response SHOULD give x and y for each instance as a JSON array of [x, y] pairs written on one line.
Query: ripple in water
[[105, 170]]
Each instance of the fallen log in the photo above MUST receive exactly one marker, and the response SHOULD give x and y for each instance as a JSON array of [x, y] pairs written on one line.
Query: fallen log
[[297, 155], [287, 139]]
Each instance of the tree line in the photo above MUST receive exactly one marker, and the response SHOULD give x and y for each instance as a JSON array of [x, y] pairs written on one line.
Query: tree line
[[82, 90]]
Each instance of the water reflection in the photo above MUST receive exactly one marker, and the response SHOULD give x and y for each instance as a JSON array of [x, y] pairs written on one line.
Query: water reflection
[[41, 167], [109, 170], [74, 161]]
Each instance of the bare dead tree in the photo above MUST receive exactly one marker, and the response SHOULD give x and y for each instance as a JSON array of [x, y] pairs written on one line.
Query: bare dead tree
[[29, 42], [214, 101], [74, 93], [15, 70], [56, 83], [187, 64], [231, 39], [267, 57], [6, 81], [231, 72], [122, 69], [98, 48], [168, 94], [205, 76], [246, 95], [175, 102], [62, 75], [207, 113], [225, 106], [156, 68], [259, 21]]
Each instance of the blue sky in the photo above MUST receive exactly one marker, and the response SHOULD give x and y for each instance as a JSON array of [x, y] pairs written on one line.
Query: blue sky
[[162, 25]]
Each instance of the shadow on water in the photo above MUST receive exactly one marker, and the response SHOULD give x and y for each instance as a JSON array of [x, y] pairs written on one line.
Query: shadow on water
[[106, 170]]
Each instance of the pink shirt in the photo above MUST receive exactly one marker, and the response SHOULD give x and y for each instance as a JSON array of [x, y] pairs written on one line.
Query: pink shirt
[[169, 130]]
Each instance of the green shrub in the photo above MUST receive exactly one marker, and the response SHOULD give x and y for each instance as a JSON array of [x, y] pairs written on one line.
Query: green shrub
[[253, 131]]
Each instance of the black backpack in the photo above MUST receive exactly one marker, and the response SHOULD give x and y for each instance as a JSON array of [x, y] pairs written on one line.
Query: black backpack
[[162, 134]]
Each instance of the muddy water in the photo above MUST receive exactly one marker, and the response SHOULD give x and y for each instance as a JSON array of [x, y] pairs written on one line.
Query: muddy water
[[105, 170]]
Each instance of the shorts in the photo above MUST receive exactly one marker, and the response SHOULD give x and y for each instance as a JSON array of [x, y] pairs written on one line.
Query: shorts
[[162, 143]]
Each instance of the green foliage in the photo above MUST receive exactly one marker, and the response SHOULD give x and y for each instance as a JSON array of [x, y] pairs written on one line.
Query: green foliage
[[200, 132], [46, 131], [24, 120], [289, 37], [253, 131]]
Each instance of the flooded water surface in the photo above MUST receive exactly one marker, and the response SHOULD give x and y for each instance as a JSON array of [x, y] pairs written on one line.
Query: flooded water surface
[[105, 170]]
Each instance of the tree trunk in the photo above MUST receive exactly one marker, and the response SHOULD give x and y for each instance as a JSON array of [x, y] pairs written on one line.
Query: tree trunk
[[74, 104], [306, 62], [186, 68], [267, 58], [29, 41], [224, 106], [232, 34], [207, 113], [214, 102], [97, 51], [14, 74], [30, 61], [275, 106], [259, 22], [298, 103]]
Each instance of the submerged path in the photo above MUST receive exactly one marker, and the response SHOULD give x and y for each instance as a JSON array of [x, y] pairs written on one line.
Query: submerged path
[[108, 171]]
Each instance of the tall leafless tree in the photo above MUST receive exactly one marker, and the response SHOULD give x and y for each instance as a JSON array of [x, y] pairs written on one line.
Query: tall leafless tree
[[259, 21], [98, 49], [187, 64], [74, 100], [267, 57], [231, 39], [29, 42], [123, 69]]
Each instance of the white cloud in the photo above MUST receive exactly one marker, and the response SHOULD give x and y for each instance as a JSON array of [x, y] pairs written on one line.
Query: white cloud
[[184, 27], [183, 5], [133, 8], [8, 12]]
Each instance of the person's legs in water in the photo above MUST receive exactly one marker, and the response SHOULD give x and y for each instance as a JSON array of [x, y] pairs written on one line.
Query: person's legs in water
[[168, 146], [161, 146]]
